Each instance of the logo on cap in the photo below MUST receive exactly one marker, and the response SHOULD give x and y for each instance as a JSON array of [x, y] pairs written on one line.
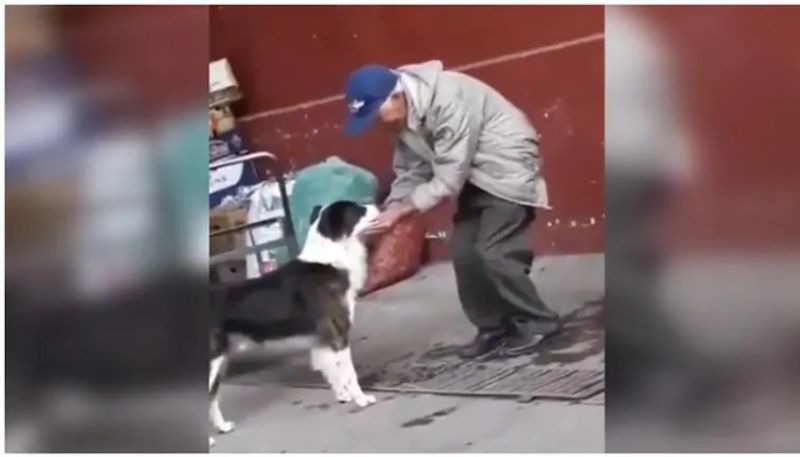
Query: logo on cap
[[355, 106]]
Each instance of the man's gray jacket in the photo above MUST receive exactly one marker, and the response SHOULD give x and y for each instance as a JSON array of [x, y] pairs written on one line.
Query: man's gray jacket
[[462, 130]]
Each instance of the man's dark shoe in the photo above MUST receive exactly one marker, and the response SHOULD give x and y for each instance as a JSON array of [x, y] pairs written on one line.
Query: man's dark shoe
[[484, 342], [520, 340]]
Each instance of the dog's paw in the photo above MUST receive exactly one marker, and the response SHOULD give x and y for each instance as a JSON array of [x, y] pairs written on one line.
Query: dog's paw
[[225, 427], [365, 400], [211, 441], [343, 396]]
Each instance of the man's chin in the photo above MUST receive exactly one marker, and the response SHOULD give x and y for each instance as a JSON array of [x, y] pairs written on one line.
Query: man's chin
[[392, 127]]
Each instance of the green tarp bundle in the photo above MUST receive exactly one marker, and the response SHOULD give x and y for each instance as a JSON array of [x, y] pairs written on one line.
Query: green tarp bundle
[[325, 183]]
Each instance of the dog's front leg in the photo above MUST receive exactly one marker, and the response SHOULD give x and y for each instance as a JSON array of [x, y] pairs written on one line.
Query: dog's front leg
[[350, 298], [340, 373], [351, 384], [329, 363]]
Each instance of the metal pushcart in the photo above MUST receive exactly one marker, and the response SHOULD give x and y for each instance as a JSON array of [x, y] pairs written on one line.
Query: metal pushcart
[[267, 168]]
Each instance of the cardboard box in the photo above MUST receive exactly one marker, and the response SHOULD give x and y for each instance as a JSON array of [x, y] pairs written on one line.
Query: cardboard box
[[224, 220], [223, 88]]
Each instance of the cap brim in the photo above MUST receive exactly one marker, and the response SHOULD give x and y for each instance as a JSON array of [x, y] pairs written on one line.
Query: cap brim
[[356, 125]]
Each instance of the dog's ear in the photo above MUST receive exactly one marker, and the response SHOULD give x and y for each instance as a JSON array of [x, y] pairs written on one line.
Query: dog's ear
[[314, 214]]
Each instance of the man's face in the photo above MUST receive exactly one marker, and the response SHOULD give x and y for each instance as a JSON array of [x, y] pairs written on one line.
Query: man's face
[[393, 112]]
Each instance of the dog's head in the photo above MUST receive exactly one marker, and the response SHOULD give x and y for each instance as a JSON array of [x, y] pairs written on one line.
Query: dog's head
[[342, 219]]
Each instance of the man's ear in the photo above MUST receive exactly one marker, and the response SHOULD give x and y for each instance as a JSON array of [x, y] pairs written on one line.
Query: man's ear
[[314, 214]]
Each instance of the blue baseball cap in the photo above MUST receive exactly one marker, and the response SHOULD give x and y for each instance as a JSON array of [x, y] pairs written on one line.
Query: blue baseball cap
[[366, 90]]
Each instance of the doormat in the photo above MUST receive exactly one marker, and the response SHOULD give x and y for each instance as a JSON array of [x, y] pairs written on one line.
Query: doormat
[[550, 372], [467, 378], [599, 399]]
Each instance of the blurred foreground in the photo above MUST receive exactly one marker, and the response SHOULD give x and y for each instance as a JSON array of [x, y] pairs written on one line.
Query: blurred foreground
[[703, 214], [106, 228], [106, 232]]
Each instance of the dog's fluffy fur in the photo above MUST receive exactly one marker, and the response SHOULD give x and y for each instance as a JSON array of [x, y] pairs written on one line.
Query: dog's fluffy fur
[[313, 295]]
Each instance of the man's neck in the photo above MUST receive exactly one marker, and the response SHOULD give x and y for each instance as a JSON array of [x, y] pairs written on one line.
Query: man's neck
[[409, 85]]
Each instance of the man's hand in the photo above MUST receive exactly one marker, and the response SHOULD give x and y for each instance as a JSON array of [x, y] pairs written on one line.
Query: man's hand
[[388, 218]]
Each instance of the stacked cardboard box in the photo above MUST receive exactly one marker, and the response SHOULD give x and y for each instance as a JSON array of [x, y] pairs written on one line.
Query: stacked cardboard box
[[224, 219]]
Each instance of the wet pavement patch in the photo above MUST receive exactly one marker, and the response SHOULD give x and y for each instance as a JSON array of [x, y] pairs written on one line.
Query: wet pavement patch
[[583, 336], [428, 418], [322, 406]]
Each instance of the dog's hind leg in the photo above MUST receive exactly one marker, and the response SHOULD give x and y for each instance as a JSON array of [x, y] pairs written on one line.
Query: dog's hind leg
[[215, 414], [214, 371]]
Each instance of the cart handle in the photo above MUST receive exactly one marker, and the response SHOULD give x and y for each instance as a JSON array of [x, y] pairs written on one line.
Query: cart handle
[[250, 225], [240, 159]]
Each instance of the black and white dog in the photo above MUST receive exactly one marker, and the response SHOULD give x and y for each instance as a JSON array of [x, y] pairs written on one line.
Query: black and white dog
[[313, 295]]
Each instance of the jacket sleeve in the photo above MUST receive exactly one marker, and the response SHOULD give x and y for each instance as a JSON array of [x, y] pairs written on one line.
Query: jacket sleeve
[[455, 143], [410, 170]]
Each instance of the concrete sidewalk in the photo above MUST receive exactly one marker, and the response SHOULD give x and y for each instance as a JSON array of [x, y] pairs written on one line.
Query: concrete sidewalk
[[411, 317]]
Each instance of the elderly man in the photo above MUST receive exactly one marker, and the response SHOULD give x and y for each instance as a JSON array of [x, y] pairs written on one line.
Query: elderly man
[[459, 137]]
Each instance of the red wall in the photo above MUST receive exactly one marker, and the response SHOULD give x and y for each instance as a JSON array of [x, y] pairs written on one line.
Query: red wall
[[738, 70], [152, 55], [285, 56]]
